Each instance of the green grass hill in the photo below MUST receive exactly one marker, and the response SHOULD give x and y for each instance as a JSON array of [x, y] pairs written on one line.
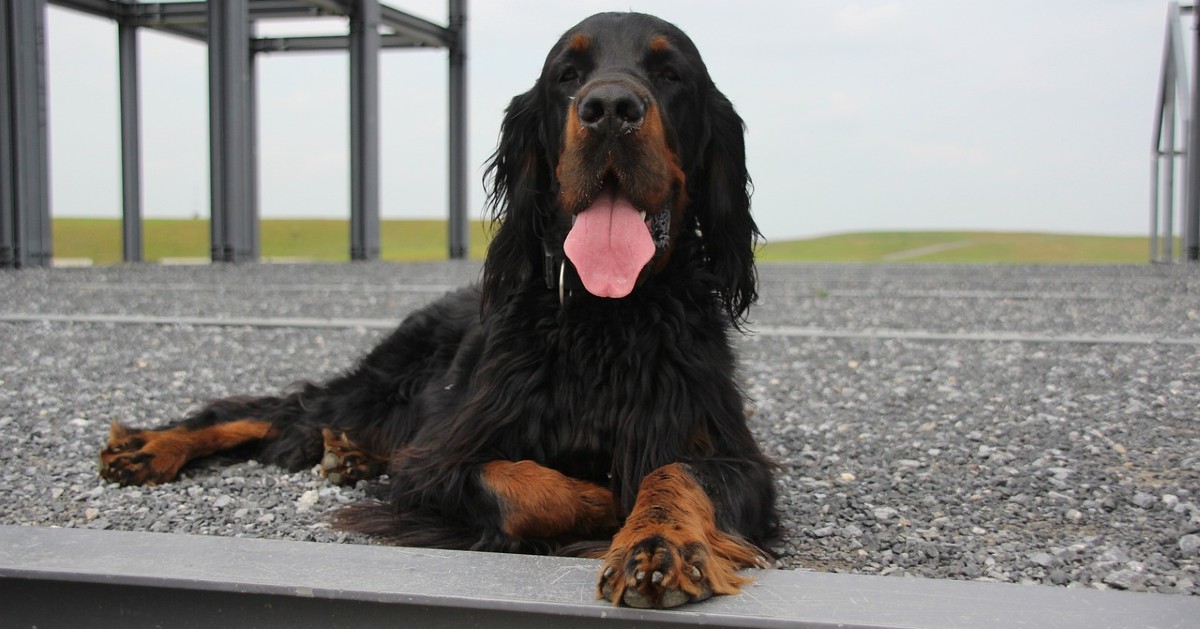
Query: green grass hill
[[99, 240]]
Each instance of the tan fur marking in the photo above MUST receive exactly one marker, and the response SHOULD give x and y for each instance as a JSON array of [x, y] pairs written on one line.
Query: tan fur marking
[[581, 42], [540, 503], [660, 43], [572, 181], [213, 439], [670, 173]]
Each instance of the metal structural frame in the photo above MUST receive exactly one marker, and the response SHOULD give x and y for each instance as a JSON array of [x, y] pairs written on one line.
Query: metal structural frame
[[227, 29], [1175, 141]]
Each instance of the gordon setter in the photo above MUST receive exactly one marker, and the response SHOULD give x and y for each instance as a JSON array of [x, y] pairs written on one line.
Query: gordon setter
[[583, 398]]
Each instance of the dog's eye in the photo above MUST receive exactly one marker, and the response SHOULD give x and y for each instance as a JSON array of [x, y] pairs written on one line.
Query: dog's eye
[[667, 73], [568, 74]]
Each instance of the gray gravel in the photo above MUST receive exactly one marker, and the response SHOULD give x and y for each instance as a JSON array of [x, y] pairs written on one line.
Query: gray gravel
[[1065, 463]]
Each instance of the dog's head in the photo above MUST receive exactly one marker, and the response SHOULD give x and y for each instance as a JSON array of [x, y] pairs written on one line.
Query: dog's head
[[623, 152]]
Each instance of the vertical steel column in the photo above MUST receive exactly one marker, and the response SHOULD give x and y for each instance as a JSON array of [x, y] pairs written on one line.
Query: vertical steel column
[[253, 215], [1168, 217], [216, 135], [364, 130], [131, 135], [1191, 209], [1155, 179], [459, 226], [228, 71], [8, 209], [27, 191]]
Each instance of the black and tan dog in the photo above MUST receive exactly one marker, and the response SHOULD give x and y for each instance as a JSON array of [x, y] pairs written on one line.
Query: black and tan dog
[[584, 396]]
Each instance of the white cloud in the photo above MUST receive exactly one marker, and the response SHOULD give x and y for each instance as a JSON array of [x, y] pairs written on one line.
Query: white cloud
[[856, 19], [843, 104], [947, 154]]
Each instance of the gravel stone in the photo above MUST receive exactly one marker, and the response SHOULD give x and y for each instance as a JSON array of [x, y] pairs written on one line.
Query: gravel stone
[[913, 438], [1189, 545], [1044, 560], [1143, 500], [886, 515], [1126, 580], [1059, 577]]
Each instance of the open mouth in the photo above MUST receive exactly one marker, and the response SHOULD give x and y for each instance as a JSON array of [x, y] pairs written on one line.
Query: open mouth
[[658, 223], [612, 240]]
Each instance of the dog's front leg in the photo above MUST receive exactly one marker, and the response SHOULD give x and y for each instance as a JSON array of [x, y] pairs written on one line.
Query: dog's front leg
[[538, 503], [670, 551]]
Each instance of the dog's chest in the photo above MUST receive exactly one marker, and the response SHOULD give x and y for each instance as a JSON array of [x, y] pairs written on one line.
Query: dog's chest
[[607, 373]]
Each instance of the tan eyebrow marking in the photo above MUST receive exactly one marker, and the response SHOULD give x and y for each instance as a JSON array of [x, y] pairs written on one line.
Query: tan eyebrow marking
[[660, 43], [580, 42]]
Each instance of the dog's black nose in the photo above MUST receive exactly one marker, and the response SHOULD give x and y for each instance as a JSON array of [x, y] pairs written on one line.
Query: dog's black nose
[[612, 109]]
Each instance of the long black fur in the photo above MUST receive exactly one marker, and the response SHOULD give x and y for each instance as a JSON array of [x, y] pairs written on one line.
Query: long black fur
[[605, 390]]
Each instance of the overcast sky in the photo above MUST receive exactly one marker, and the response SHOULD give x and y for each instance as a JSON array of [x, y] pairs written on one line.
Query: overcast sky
[[863, 115]]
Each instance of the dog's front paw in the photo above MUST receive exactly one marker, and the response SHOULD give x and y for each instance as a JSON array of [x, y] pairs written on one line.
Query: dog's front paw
[[670, 551], [657, 572]]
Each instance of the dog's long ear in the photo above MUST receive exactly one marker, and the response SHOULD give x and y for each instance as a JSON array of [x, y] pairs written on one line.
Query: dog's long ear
[[723, 211], [518, 197]]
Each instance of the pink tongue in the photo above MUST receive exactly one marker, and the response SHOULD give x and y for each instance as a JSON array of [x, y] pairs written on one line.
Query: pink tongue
[[609, 245]]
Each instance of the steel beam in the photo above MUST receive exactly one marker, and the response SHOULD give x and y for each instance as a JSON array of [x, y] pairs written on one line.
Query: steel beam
[[132, 580], [173, 14], [8, 205], [183, 13], [110, 9], [323, 43], [131, 136], [25, 240], [364, 130], [190, 20], [337, 7], [459, 236], [424, 31], [230, 129], [194, 33], [289, 8]]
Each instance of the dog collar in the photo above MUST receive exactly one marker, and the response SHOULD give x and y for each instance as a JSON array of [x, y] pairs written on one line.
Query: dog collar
[[556, 274]]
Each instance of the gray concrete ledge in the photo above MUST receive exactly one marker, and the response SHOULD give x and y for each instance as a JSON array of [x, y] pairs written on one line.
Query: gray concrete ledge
[[75, 578]]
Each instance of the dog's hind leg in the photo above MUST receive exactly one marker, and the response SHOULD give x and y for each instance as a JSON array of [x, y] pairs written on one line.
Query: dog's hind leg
[[351, 424], [149, 457]]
